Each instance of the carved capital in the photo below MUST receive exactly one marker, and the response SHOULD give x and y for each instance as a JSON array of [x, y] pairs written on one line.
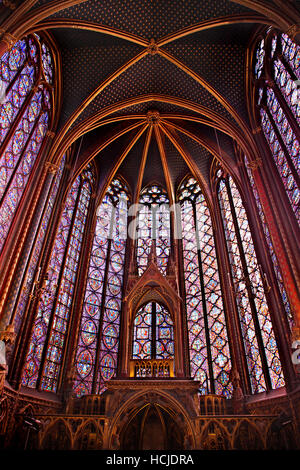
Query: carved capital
[[50, 134], [8, 335], [51, 168], [296, 333], [254, 164]]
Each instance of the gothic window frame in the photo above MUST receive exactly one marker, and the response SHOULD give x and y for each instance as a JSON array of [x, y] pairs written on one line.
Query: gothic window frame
[[145, 247], [97, 382], [82, 187], [153, 328], [242, 276], [35, 51], [275, 111], [214, 382]]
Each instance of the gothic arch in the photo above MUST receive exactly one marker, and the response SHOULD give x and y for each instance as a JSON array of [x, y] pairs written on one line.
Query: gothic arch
[[140, 400], [247, 436], [58, 434], [215, 436]]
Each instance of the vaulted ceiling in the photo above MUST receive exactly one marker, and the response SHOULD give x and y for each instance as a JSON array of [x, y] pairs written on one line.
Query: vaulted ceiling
[[154, 88]]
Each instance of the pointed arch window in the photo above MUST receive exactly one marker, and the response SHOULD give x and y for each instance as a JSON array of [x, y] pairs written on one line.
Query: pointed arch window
[[277, 74], [260, 346], [47, 344], [273, 256], [31, 271], [27, 93], [153, 224], [98, 344], [153, 333], [210, 361]]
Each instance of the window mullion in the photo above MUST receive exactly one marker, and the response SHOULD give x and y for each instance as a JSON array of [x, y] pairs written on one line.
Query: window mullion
[[283, 146], [153, 331], [52, 316], [249, 290], [209, 356], [19, 116], [20, 159], [285, 107], [102, 308]]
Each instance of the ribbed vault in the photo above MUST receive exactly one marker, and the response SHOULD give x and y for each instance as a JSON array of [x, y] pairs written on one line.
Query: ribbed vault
[[122, 60]]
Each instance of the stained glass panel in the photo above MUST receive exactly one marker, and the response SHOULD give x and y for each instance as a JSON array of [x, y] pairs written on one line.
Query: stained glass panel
[[55, 303], [97, 351], [18, 183], [269, 244], [25, 109], [241, 293], [153, 224], [153, 333], [276, 122], [262, 311], [288, 87], [286, 132], [287, 177], [291, 52], [205, 311]]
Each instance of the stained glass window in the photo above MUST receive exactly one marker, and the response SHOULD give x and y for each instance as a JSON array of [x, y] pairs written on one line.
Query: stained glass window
[[269, 244], [25, 111], [291, 53], [279, 108], [98, 344], [153, 333], [153, 224], [44, 357], [32, 269], [259, 341], [210, 361]]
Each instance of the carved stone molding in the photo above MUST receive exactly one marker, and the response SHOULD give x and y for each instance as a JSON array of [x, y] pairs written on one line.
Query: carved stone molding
[[293, 30], [8, 335]]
